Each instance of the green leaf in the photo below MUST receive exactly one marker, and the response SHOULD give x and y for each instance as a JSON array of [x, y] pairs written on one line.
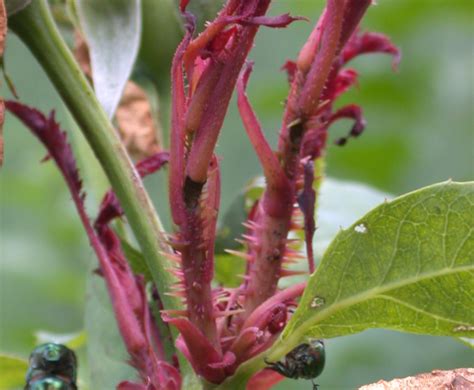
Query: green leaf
[[105, 349], [135, 259], [12, 372], [14, 6], [159, 44], [229, 270], [112, 30], [407, 265]]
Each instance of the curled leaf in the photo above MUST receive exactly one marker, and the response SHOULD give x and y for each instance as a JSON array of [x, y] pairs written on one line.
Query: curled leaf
[[370, 42], [112, 30], [127, 291], [306, 201], [197, 349], [354, 112], [135, 122]]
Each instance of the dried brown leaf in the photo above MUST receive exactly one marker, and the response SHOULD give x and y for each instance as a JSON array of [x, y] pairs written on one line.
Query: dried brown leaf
[[135, 122], [459, 379], [81, 52]]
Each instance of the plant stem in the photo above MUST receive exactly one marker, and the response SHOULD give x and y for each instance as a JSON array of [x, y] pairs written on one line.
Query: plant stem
[[37, 29]]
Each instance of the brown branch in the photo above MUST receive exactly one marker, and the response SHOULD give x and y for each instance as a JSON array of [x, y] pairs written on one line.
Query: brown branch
[[459, 379]]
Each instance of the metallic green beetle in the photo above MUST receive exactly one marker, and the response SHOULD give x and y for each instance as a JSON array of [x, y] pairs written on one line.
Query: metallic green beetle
[[306, 361], [50, 383], [52, 367]]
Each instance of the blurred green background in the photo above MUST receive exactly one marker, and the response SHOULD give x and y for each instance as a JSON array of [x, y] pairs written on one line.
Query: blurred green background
[[420, 131]]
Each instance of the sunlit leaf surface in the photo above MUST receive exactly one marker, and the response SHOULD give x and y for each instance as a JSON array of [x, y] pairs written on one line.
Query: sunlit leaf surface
[[407, 265]]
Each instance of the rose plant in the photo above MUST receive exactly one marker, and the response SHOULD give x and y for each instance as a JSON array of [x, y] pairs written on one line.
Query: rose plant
[[405, 265]]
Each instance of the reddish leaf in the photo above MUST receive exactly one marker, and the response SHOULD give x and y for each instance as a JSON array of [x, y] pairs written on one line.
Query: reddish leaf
[[306, 202], [53, 138], [350, 111], [345, 79], [369, 42], [279, 21], [177, 136], [151, 164], [290, 68], [183, 4], [197, 349], [271, 166], [126, 292], [127, 385]]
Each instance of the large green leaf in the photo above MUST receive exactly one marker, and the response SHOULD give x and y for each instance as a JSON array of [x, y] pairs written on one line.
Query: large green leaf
[[407, 265], [12, 372], [112, 30], [106, 353]]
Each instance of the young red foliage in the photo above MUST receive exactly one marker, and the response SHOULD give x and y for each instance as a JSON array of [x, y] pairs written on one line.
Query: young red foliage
[[126, 290]]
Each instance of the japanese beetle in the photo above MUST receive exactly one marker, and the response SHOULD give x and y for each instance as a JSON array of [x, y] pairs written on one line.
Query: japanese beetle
[[50, 383], [51, 367], [306, 361]]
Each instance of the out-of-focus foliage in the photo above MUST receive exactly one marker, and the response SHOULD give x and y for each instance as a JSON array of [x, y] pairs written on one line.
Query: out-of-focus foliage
[[12, 371], [420, 131]]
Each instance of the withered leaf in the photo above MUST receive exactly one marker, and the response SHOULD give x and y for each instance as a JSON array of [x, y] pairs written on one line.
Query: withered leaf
[[135, 122]]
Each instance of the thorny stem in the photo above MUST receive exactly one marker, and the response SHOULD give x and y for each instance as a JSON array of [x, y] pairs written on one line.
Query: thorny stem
[[200, 121], [267, 246], [36, 27], [208, 130]]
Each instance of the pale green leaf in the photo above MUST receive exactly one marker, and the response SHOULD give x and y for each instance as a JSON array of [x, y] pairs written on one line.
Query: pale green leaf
[[407, 265], [12, 372], [112, 30]]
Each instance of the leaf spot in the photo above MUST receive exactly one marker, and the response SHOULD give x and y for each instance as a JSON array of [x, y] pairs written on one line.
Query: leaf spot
[[317, 302], [361, 228], [464, 328]]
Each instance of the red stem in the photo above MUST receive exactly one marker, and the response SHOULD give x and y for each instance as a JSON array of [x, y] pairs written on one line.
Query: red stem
[[218, 100], [271, 166], [268, 244]]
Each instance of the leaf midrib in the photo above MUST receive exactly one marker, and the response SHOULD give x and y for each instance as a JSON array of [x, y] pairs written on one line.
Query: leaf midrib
[[362, 297]]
